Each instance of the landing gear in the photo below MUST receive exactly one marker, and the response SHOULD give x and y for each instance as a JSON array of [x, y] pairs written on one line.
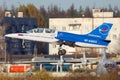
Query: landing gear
[[61, 51]]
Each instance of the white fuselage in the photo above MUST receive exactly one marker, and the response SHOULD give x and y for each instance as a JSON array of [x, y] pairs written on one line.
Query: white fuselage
[[38, 34]]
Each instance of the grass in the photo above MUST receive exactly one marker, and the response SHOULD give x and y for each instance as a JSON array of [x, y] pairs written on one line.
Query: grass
[[44, 75]]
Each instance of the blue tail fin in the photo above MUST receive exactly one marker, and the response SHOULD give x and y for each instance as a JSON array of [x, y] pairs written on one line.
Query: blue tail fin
[[101, 31]]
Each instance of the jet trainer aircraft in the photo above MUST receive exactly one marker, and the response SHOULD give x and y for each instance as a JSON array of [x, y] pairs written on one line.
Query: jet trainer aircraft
[[96, 38]]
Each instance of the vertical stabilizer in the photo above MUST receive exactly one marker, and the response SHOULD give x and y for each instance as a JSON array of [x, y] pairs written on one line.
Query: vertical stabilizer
[[101, 31]]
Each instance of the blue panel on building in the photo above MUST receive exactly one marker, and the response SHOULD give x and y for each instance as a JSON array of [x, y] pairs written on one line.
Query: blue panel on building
[[18, 25]]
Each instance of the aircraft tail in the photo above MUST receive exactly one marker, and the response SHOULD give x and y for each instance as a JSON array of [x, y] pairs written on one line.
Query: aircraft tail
[[101, 31]]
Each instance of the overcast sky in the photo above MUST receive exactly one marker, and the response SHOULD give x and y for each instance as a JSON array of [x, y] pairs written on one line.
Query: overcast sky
[[64, 4]]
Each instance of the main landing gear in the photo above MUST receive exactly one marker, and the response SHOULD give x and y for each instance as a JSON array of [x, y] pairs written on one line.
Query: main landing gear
[[61, 51]]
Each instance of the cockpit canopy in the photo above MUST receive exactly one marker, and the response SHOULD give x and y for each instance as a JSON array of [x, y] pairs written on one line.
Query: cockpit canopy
[[41, 30]]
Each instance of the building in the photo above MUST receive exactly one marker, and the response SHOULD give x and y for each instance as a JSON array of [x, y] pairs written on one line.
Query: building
[[84, 26], [99, 13], [18, 24]]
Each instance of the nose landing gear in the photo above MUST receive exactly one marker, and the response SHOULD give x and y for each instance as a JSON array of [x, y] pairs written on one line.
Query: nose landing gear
[[62, 52]]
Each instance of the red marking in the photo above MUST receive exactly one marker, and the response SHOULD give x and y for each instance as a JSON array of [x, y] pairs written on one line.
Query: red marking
[[20, 34], [104, 29], [19, 68]]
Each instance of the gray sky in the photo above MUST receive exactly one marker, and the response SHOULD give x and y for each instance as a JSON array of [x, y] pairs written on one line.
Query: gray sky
[[64, 4]]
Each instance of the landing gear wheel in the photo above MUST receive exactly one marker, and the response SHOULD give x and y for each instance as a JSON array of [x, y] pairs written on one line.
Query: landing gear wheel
[[62, 52]]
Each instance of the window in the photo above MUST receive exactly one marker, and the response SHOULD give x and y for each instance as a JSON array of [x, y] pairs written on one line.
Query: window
[[74, 26], [50, 30], [37, 30]]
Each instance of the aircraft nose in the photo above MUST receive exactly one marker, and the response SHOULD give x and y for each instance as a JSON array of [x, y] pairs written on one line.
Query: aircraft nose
[[10, 35]]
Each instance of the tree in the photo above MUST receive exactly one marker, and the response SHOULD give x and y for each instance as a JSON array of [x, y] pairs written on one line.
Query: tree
[[43, 13], [14, 10], [1, 13], [72, 12], [30, 11], [110, 8], [62, 14], [80, 12], [23, 8], [116, 12], [88, 12]]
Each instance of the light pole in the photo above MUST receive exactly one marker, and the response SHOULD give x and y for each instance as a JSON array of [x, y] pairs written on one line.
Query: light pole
[[5, 56], [103, 15], [5, 53]]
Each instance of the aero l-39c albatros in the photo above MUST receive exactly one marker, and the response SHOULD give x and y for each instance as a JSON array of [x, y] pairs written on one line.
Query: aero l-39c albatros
[[96, 38]]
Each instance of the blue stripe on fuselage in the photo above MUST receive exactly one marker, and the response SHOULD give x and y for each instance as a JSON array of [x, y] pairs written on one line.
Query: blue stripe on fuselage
[[70, 37]]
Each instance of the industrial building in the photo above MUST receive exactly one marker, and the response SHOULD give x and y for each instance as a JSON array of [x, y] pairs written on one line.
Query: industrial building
[[84, 26], [16, 24]]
